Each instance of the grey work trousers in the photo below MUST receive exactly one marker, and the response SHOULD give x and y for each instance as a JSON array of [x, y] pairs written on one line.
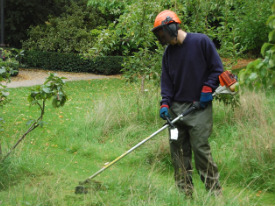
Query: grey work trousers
[[194, 130]]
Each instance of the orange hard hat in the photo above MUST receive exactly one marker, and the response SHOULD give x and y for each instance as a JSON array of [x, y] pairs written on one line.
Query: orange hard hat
[[165, 17]]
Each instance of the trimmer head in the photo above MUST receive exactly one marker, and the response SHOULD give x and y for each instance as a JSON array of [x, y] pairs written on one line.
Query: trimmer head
[[81, 189], [84, 187]]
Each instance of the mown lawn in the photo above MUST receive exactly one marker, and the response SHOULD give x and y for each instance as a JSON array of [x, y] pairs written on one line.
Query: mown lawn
[[104, 118]]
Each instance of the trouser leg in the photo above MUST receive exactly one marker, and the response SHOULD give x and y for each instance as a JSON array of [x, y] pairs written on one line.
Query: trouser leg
[[200, 130], [197, 128], [181, 155]]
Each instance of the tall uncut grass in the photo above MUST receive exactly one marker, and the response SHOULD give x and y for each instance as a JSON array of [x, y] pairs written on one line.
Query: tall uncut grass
[[256, 136], [103, 119]]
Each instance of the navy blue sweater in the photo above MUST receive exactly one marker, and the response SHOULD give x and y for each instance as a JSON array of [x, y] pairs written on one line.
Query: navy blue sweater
[[186, 68]]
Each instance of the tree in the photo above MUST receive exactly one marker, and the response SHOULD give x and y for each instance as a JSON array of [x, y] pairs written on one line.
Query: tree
[[261, 72], [52, 89]]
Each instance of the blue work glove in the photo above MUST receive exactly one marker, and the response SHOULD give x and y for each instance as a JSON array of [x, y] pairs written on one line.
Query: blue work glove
[[163, 112], [206, 96]]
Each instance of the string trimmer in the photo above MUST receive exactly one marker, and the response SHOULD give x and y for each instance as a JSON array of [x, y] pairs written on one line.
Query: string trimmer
[[227, 82]]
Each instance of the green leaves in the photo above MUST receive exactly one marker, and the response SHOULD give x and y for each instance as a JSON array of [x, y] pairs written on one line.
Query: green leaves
[[271, 22], [145, 64], [110, 6], [6, 70], [265, 48], [271, 36], [68, 33], [51, 89], [131, 31], [261, 73], [73, 63]]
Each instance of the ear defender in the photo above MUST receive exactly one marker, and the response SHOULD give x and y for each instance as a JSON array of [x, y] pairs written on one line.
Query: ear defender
[[172, 29]]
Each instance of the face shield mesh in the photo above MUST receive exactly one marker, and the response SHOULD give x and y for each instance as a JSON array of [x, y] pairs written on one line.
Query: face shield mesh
[[162, 36], [166, 33]]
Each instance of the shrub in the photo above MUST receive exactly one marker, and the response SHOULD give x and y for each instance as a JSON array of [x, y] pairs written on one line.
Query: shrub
[[72, 62], [232, 25], [20, 14], [108, 64], [261, 72], [9, 61], [68, 33], [12, 64]]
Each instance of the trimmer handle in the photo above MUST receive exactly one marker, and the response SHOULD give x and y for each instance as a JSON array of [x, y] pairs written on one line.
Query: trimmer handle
[[169, 122], [195, 106]]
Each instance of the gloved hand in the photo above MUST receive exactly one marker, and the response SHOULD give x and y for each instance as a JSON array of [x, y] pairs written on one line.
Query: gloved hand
[[206, 96], [163, 112]]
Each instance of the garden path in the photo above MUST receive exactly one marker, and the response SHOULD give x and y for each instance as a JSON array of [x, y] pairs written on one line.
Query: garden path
[[31, 77]]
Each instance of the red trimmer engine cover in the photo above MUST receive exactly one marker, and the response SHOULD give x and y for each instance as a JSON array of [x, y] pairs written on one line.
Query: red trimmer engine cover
[[227, 79]]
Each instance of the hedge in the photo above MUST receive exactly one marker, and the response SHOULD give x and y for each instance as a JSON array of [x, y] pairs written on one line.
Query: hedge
[[72, 62]]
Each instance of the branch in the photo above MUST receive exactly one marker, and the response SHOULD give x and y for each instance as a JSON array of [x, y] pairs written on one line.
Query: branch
[[31, 128]]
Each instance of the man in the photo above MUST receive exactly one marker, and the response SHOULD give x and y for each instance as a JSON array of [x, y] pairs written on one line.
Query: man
[[190, 70]]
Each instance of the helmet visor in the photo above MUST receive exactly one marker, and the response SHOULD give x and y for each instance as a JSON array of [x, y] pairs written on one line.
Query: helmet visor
[[163, 37]]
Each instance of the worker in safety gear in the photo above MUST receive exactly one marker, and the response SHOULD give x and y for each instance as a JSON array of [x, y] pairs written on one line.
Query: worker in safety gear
[[190, 70]]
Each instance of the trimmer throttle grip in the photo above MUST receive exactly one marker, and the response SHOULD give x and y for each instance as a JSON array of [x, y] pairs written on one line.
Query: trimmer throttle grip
[[169, 122]]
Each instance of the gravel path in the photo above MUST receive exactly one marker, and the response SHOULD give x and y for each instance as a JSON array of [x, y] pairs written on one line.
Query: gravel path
[[31, 77]]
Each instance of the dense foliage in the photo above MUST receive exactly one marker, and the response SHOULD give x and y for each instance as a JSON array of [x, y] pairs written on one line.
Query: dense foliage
[[232, 25], [9, 66], [10, 60], [20, 14], [261, 72], [123, 28], [72, 62], [68, 33]]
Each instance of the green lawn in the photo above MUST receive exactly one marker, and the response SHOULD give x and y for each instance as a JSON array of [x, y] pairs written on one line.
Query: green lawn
[[104, 118]]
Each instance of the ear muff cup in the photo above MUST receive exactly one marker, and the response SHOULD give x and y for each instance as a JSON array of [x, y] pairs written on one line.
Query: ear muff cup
[[172, 29]]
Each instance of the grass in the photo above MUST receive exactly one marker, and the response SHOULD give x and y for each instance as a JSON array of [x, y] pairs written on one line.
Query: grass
[[103, 119]]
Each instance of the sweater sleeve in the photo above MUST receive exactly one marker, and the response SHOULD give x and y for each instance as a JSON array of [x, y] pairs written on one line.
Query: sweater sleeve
[[214, 64], [167, 88]]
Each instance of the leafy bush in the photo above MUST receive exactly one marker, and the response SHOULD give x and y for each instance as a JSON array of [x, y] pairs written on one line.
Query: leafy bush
[[108, 64], [261, 72], [68, 33], [21, 14], [13, 65], [110, 6], [145, 64], [72, 62], [250, 29], [4, 77], [10, 62], [130, 32], [225, 22]]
